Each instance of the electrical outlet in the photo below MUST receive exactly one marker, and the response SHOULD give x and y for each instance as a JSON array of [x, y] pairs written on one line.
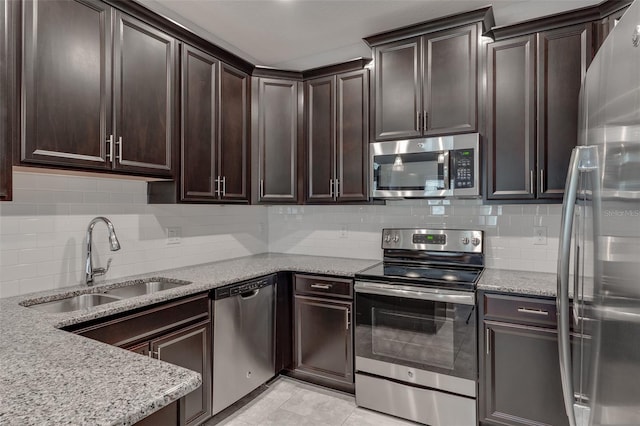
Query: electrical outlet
[[343, 232], [540, 235], [174, 235]]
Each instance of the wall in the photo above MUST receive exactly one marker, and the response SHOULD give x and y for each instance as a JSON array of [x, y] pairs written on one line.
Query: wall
[[355, 231], [43, 229]]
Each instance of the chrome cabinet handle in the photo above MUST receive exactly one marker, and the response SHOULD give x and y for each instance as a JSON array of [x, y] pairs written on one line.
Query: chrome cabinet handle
[[331, 188], [487, 341], [347, 319], [119, 153], [533, 311], [321, 286], [425, 122], [110, 148], [418, 124], [531, 181], [541, 180], [261, 188], [337, 186], [224, 186]]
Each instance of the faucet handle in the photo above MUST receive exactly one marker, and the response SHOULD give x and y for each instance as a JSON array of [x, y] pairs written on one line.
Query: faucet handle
[[102, 271]]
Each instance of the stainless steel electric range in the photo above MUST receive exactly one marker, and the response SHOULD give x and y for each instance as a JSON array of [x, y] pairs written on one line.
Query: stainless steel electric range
[[415, 335]]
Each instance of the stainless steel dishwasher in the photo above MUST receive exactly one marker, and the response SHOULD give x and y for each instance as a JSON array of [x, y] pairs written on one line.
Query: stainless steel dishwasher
[[243, 333]]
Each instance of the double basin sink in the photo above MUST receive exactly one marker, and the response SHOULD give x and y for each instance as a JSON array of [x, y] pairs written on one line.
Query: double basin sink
[[89, 300]]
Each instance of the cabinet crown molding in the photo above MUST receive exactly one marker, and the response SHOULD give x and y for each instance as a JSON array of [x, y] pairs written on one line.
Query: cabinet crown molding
[[483, 15], [550, 22]]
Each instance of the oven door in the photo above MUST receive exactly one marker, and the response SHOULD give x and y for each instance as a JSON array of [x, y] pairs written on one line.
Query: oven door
[[424, 336]]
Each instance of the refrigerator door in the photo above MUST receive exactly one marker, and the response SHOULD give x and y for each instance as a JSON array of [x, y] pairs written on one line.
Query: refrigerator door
[[609, 248]]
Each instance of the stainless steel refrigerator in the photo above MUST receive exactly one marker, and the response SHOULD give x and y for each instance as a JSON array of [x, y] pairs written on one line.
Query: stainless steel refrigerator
[[599, 250]]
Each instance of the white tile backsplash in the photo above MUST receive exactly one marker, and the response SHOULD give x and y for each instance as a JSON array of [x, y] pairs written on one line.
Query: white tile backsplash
[[42, 232], [508, 229]]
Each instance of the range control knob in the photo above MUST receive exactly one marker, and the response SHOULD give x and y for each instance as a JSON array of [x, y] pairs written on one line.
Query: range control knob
[[475, 241], [464, 240], [387, 238], [396, 238]]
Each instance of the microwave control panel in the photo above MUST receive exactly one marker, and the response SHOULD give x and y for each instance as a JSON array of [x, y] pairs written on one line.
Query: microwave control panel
[[462, 165]]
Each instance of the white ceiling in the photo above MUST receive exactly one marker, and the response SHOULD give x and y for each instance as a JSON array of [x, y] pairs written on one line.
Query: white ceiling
[[305, 34]]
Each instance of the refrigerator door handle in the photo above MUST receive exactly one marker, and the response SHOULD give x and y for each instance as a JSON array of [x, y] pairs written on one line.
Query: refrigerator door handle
[[583, 159]]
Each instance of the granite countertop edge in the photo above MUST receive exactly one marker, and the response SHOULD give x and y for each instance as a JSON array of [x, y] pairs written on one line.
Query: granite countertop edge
[[54, 381], [24, 330]]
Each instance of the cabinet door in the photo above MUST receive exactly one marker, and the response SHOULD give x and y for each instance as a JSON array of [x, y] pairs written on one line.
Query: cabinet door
[[190, 348], [8, 18], [521, 379], [278, 139], [233, 137], [451, 81], [66, 83], [198, 139], [144, 73], [511, 119], [321, 138], [563, 58], [352, 94], [397, 90], [323, 338]]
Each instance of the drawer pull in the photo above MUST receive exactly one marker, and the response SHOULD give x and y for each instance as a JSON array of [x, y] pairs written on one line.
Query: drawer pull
[[321, 286], [533, 311]]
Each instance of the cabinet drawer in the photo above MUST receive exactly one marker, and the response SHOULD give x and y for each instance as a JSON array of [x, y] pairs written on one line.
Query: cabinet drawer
[[334, 287], [125, 331], [523, 310]]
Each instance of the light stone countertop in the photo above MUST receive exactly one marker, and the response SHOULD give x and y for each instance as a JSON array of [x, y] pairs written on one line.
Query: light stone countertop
[[525, 283], [50, 376]]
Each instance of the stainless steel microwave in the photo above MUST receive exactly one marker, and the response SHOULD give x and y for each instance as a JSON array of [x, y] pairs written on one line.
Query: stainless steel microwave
[[445, 166]]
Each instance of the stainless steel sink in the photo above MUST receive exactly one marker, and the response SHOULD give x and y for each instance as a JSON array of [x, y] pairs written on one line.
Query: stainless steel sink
[[83, 301], [146, 287], [75, 303]]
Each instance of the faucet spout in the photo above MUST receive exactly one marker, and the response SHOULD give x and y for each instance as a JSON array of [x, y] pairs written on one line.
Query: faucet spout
[[114, 245]]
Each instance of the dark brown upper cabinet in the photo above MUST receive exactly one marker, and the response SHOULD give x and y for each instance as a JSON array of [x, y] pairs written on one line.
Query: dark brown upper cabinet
[[278, 117], [426, 79], [533, 86], [427, 85], [98, 89], [337, 108], [214, 129]]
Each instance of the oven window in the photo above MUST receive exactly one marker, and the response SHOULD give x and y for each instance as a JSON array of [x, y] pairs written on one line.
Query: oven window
[[426, 339], [433, 336]]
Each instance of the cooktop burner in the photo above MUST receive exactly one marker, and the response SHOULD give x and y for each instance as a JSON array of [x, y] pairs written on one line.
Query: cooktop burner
[[427, 257], [465, 278]]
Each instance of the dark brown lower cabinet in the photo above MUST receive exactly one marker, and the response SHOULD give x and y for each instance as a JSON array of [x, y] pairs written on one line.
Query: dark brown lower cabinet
[[178, 332], [519, 381], [521, 376], [323, 333]]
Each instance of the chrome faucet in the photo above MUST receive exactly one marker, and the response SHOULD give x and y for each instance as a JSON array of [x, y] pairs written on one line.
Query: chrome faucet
[[114, 244]]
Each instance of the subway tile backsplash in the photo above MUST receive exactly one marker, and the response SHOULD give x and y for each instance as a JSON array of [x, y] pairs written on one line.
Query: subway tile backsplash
[[354, 231], [42, 231]]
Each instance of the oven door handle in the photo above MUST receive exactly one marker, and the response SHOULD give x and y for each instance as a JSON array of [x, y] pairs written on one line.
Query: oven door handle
[[420, 293]]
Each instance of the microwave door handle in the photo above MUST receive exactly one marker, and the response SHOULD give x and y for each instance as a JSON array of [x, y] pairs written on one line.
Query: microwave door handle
[[445, 169]]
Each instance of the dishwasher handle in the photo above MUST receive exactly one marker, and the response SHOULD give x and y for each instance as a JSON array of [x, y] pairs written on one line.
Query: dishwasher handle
[[249, 294]]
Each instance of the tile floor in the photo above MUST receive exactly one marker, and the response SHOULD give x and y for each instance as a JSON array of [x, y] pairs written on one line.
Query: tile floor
[[290, 402]]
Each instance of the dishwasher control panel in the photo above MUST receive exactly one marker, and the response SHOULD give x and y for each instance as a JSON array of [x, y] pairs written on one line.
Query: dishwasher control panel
[[242, 288]]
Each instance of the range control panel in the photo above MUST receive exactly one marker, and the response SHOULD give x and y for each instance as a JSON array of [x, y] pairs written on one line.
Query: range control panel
[[454, 240], [242, 288]]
